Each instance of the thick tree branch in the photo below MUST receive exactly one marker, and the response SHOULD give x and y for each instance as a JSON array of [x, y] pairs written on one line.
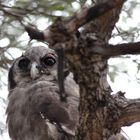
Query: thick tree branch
[[129, 110], [103, 25], [71, 24], [88, 14], [130, 113], [34, 33], [119, 49]]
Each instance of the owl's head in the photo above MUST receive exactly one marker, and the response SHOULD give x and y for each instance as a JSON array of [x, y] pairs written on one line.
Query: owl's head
[[34, 63]]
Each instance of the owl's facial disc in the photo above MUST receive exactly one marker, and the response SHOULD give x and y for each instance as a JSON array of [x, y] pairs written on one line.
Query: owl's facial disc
[[46, 63]]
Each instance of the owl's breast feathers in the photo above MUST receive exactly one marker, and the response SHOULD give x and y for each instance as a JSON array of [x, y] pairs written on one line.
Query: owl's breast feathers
[[28, 102]]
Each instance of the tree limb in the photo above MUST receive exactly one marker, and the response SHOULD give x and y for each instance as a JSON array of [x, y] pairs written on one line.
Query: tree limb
[[71, 24], [34, 33], [88, 14], [129, 110], [119, 49]]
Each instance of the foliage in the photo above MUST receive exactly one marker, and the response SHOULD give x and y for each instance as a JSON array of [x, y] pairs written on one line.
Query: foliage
[[17, 13]]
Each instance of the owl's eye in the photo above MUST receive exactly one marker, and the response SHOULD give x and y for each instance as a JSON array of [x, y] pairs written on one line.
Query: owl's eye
[[48, 61], [24, 63]]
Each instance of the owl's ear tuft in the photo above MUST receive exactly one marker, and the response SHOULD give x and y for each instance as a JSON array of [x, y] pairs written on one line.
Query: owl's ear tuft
[[11, 81]]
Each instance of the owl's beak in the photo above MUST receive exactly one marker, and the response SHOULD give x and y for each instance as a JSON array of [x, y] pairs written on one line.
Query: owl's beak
[[34, 72]]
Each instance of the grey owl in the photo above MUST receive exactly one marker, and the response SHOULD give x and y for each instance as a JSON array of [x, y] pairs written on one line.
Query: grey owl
[[35, 111]]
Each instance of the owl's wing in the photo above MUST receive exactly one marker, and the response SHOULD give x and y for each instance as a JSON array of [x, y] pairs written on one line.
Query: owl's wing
[[72, 93], [57, 133], [63, 115]]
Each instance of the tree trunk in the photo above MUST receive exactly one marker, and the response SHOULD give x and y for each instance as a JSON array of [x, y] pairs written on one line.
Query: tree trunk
[[97, 108], [98, 111]]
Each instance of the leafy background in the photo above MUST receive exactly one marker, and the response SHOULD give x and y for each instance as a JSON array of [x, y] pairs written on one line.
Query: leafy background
[[124, 71]]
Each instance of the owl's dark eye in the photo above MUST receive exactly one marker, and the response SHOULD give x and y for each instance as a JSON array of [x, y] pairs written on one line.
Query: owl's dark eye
[[48, 61], [24, 63]]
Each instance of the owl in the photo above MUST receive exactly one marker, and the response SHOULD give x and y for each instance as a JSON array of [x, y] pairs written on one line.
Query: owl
[[35, 110]]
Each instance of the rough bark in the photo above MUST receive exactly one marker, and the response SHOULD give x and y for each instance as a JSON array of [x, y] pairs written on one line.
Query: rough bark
[[101, 114]]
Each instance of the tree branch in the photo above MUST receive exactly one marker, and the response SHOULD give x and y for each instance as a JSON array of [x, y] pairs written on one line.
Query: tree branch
[[119, 49], [34, 33], [129, 110], [88, 14], [131, 113], [71, 24]]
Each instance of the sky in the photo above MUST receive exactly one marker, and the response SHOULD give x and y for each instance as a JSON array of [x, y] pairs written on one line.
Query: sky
[[125, 82]]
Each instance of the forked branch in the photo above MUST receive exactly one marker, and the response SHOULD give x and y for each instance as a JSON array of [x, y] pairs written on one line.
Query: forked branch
[[88, 14], [129, 110], [71, 24]]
